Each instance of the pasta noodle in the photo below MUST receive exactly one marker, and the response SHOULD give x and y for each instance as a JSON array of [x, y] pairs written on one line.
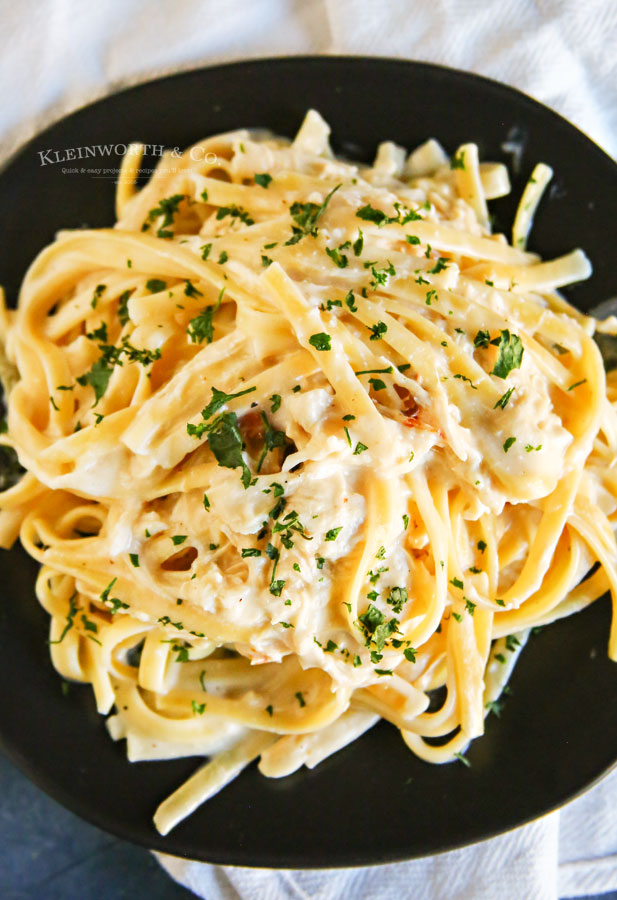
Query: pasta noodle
[[306, 446]]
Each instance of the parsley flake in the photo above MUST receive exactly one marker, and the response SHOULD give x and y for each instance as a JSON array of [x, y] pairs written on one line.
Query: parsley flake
[[306, 216], [510, 354], [377, 331], [503, 400], [321, 341]]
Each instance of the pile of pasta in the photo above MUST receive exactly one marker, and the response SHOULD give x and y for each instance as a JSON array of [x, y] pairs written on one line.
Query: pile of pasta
[[304, 444]]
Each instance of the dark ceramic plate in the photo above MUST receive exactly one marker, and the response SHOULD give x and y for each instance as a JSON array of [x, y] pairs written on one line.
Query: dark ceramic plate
[[374, 801]]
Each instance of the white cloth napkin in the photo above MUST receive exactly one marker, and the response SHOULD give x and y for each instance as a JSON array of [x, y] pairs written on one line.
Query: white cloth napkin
[[59, 54], [571, 853]]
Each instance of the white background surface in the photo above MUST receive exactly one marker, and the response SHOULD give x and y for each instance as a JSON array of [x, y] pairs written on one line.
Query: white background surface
[[58, 54]]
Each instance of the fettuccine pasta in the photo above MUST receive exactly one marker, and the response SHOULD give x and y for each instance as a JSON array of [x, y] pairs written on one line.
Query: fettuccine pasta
[[306, 446]]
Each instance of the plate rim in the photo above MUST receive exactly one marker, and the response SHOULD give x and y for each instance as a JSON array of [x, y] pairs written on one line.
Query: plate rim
[[286, 59], [46, 782]]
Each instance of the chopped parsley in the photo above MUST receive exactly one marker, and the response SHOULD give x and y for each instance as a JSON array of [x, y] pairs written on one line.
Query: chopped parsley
[[190, 290], [529, 448], [577, 384], [376, 629], [70, 618], [510, 353], [98, 291], [134, 557], [167, 208], [465, 378], [441, 264], [350, 302], [235, 212], [330, 304], [306, 216], [123, 307], [272, 439], [99, 334], [250, 551], [300, 698], [377, 331], [339, 259], [198, 708], [503, 400], [380, 275], [263, 179], [469, 606], [387, 371], [494, 706], [218, 399], [201, 327], [155, 285], [508, 443], [100, 372], [458, 160], [397, 598], [463, 759], [482, 339], [333, 533], [223, 432], [368, 213], [403, 215], [321, 341], [112, 603]]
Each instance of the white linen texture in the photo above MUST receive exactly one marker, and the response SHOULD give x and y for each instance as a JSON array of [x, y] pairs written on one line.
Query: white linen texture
[[59, 54]]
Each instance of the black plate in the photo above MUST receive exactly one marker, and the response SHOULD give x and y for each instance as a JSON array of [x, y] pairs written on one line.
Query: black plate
[[374, 801]]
